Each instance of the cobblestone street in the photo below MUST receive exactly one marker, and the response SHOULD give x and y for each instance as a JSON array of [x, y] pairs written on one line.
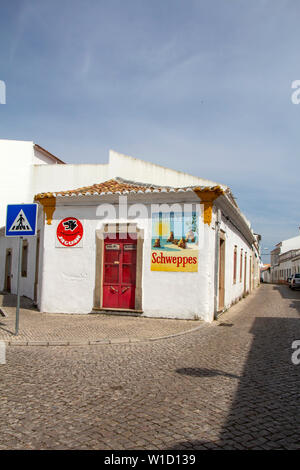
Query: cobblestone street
[[37, 328], [229, 385]]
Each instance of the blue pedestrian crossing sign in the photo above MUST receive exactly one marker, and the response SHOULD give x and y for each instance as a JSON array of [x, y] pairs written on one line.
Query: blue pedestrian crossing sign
[[21, 220]]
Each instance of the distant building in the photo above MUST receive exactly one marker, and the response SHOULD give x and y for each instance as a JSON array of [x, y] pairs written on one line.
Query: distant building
[[117, 237], [265, 273], [285, 260]]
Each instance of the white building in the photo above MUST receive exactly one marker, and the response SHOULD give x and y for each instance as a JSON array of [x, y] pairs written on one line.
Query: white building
[[285, 259], [265, 273], [20, 162], [174, 263]]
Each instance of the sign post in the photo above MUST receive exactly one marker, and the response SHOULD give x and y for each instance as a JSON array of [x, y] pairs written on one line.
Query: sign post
[[20, 221], [18, 285]]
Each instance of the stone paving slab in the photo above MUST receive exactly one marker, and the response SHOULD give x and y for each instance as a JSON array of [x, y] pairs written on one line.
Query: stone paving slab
[[48, 329], [229, 385]]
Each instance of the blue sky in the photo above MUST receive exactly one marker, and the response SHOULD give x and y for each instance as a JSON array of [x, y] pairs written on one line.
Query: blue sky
[[199, 86]]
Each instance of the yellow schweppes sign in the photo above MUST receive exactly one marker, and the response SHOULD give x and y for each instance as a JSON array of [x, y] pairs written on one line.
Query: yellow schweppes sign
[[175, 242]]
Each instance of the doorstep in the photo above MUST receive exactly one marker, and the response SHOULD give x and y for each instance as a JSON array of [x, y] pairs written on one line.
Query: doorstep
[[118, 311]]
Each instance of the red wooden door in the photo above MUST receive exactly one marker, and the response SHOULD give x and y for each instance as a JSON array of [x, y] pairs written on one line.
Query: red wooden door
[[119, 276]]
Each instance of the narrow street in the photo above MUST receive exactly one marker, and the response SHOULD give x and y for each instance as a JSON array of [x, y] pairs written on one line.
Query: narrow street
[[229, 385]]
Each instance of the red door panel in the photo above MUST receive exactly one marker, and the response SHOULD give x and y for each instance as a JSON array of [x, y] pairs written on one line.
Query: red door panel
[[127, 297], [110, 297], [119, 273]]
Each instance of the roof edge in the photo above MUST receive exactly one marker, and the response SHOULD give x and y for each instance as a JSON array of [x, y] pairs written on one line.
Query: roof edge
[[48, 154], [93, 190]]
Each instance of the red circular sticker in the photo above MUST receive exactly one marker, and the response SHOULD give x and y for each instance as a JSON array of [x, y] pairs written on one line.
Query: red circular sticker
[[69, 231]]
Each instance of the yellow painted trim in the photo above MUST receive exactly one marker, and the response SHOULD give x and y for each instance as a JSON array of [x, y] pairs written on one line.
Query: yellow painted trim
[[49, 205], [207, 197]]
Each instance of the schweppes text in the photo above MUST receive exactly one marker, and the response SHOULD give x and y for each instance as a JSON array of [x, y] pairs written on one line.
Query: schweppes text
[[160, 258]]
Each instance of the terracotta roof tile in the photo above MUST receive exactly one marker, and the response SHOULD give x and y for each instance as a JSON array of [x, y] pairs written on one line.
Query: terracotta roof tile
[[120, 186]]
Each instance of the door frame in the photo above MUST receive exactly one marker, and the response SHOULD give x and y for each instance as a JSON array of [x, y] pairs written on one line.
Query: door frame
[[221, 270], [100, 235], [9, 252], [250, 274], [245, 274], [114, 258]]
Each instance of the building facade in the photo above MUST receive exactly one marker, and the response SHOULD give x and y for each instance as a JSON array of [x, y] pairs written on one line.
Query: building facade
[[285, 260], [173, 246]]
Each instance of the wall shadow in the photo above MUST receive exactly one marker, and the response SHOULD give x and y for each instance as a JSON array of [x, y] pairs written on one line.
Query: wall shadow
[[10, 300], [265, 413], [286, 292], [293, 295]]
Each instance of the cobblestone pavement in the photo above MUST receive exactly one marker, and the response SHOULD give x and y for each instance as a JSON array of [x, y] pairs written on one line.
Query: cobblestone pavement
[[61, 328], [231, 385]]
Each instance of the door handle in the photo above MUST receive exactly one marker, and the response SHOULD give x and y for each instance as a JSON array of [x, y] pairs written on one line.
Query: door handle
[[113, 289], [125, 289]]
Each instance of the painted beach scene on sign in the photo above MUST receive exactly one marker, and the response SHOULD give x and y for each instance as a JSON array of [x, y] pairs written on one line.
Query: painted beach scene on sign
[[175, 242]]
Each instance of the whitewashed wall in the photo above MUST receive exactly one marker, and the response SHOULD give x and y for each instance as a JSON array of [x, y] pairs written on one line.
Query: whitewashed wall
[[63, 177], [54, 178], [139, 170], [26, 283], [68, 279], [266, 275], [15, 174], [235, 291], [285, 269], [178, 294], [296, 266], [290, 244]]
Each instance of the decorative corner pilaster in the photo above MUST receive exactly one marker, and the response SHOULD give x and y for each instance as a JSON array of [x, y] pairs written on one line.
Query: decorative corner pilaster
[[49, 204], [207, 197]]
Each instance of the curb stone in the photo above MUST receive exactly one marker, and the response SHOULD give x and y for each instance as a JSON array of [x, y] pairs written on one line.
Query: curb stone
[[101, 341], [231, 312]]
